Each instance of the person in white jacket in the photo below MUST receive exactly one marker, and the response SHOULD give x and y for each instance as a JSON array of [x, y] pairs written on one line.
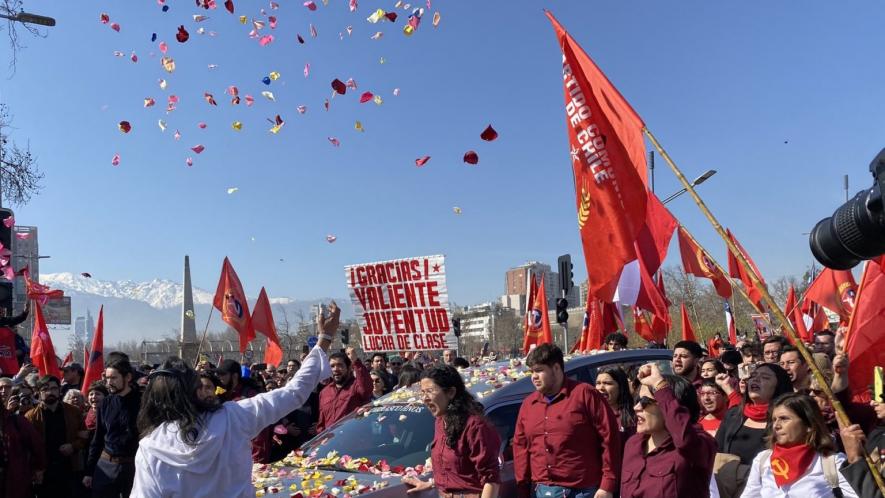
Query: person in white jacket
[[801, 460], [192, 448]]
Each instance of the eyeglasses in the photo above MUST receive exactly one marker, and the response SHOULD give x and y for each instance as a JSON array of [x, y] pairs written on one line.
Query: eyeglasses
[[645, 401]]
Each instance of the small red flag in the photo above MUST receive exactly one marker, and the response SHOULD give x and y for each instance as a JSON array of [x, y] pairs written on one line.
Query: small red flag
[[530, 298], [95, 360], [696, 262], [641, 325], [262, 321], [38, 292], [650, 299], [538, 331], [834, 290], [69, 359], [608, 161], [687, 330], [593, 328], [230, 300], [42, 352], [863, 342], [729, 323], [736, 270]]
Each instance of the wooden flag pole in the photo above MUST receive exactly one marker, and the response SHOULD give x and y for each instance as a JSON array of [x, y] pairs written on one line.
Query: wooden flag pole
[[766, 297], [203, 339]]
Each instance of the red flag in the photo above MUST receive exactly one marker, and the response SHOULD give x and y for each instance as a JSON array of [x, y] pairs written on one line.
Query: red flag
[[816, 317], [866, 334], [42, 352], [696, 262], [641, 325], [262, 321], [593, 328], [95, 360], [661, 289], [38, 292], [687, 330], [653, 240], [230, 300], [608, 159], [611, 318], [729, 323], [650, 299], [69, 359], [736, 270], [834, 290], [539, 328], [530, 298]]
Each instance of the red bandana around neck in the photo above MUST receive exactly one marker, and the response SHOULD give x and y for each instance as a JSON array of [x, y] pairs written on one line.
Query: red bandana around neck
[[756, 412], [788, 464]]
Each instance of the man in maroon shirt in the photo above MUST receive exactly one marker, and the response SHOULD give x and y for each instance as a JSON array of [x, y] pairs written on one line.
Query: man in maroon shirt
[[566, 441], [686, 356], [351, 387]]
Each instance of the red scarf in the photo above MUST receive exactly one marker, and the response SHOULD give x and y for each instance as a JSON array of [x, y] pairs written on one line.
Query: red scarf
[[756, 412], [788, 464]]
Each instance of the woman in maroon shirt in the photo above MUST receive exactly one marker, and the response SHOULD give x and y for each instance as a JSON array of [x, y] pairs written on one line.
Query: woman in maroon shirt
[[613, 385], [465, 444], [670, 456]]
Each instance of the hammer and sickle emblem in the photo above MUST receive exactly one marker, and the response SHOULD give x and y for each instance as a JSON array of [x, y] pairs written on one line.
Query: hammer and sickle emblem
[[780, 468]]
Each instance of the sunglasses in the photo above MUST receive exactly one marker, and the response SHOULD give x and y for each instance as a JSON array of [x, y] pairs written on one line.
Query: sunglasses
[[645, 401]]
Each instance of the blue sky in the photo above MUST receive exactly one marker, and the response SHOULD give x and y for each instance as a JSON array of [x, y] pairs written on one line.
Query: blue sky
[[723, 85]]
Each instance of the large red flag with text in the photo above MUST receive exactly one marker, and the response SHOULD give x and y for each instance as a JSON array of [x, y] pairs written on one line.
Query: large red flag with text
[[538, 331], [608, 160], [262, 321], [737, 270], [866, 335], [230, 300], [42, 351], [687, 329], [95, 361], [834, 290], [696, 262]]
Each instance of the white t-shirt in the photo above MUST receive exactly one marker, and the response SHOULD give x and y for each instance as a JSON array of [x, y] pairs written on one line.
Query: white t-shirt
[[813, 484], [220, 463]]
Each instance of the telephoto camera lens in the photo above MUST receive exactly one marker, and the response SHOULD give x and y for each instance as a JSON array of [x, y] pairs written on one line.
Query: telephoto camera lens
[[856, 231]]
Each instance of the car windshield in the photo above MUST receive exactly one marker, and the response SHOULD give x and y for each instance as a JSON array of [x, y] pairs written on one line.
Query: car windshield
[[398, 434]]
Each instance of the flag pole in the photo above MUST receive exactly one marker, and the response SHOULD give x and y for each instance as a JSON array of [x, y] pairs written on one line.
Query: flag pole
[[203, 339], [766, 297]]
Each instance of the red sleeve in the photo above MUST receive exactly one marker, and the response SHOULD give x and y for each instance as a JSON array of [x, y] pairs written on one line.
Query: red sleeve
[[362, 382], [321, 422], [734, 398], [485, 444], [676, 419], [521, 469], [606, 424]]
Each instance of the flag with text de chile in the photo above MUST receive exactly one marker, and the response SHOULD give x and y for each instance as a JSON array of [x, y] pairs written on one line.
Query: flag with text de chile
[[230, 300], [42, 352], [608, 160], [262, 321], [95, 360], [538, 330]]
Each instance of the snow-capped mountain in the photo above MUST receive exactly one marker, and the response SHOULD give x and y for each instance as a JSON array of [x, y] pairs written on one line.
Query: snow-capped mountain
[[152, 310], [160, 294]]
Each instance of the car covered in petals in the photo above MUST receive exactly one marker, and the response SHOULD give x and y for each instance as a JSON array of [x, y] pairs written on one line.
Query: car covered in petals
[[368, 452]]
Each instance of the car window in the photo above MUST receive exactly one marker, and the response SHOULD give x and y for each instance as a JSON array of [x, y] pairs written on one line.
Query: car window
[[504, 420], [399, 434], [587, 373]]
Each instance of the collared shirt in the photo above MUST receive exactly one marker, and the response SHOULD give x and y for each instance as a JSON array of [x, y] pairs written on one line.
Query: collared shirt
[[472, 463], [115, 428], [571, 441], [681, 466], [338, 402]]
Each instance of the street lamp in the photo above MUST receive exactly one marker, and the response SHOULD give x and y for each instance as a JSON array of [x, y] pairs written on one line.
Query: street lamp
[[697, 181], [27, 18]]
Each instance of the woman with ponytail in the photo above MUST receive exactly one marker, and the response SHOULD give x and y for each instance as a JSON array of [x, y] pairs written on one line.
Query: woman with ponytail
[[465, 444]]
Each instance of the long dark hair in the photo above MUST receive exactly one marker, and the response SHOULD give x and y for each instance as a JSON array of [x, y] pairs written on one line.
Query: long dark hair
[[808, 411], [462, 405], [625, 399], [784, 384], [171, 396]]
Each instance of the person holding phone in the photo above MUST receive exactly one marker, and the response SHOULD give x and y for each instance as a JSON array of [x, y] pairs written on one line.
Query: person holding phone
[[190, 447]]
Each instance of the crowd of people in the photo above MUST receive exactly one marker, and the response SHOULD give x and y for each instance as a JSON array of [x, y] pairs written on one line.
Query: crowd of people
[[744, 420]]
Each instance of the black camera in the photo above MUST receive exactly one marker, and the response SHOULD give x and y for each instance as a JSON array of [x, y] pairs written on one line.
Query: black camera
[[856, 231]]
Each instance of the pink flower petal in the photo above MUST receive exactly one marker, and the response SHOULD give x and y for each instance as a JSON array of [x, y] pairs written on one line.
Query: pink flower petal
[[265, 40], [310, 5], [115, 27], [471, 157], [489, 134], [198, 149], [365, 97], [116, 160], [334, 141], [421, 161]]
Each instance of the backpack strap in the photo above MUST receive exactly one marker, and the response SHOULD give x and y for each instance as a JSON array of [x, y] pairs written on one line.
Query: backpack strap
[[829, 465]]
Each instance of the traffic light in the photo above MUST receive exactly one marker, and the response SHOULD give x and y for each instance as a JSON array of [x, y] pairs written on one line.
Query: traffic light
[[456, 326], [345, 336], [566, 274], [562, 310], [6, 287]]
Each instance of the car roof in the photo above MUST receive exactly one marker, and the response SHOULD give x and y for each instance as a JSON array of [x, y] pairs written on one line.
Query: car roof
[[500, 380]]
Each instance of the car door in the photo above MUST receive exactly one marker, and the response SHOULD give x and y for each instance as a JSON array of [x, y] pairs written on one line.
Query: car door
[[503, 417]]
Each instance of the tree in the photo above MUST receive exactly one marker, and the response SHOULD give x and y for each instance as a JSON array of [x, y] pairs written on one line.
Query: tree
[[12, 7], [20, 175]]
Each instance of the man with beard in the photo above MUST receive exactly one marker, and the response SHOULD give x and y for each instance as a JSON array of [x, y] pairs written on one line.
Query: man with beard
[[351, 387], [110, 466], [61, 426], [686, 355], [194, 448], [794, 363], [230, 377]]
